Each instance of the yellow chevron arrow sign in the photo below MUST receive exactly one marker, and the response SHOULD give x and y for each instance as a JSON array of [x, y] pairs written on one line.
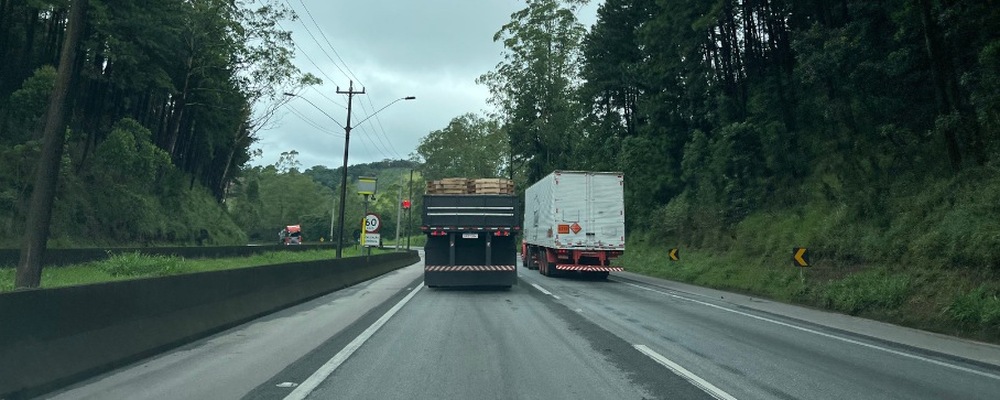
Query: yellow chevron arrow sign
[[799, 257], [674, 254]]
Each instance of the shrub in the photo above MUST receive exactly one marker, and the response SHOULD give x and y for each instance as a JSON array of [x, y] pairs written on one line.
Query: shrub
[[866, 291], [977, 307], [136, 264]]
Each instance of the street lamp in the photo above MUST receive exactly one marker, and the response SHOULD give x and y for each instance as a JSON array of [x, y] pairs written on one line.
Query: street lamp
[[347, 142]]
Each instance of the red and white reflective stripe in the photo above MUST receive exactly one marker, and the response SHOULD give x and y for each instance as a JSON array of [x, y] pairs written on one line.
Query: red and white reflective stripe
[[596, 268], [443, 268]]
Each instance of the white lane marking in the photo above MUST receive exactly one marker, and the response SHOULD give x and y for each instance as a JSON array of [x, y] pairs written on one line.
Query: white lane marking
[[327, 369], [684, 373], [827, 335], [541, 289]]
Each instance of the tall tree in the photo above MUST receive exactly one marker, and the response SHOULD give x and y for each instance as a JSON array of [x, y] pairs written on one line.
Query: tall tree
[[612, 60], [470, 146], [534, 87], [29, 268]]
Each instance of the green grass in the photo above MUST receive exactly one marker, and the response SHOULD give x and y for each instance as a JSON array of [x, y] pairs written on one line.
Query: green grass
[[722, 271], [978, 307], [874, 289], [136, 265], [946, 300], [416, 241]]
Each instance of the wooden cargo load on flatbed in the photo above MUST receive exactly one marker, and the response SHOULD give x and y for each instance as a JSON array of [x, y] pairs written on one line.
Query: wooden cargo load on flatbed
[[448, 186], [471, 186], [491, 186]]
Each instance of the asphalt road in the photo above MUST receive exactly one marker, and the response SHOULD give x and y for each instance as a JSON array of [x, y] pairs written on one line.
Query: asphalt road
[[496, 345], [751, 354], [556, 338], [232, 363]]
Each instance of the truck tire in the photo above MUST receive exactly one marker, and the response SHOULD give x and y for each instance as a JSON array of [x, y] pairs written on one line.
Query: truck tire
[[543, 263], [544, 266]]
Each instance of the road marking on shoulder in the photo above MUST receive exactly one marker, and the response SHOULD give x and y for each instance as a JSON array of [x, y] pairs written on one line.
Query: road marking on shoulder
[[826, 335], [541, 289], [684, 373], [327, 369]]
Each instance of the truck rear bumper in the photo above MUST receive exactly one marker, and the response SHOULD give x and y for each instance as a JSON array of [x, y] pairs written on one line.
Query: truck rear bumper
[[587, 268], [470, 275]]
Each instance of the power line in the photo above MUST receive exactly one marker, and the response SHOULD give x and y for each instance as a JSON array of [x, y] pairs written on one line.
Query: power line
[[323, 95], [316, 40], [352, 76], [389, 146], [308, 13], [312, 123], [368, 135], [386, 145], [321, 72], [382, 149]]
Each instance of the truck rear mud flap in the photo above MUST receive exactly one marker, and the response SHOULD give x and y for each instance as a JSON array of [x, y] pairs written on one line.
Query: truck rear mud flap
[[470, 275]]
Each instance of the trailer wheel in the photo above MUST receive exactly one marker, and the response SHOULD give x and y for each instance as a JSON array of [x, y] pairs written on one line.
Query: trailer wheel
[[543, 264]]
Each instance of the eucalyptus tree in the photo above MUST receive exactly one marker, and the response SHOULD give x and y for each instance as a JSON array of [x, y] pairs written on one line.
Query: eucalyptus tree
[[470, 146], [534, 87]]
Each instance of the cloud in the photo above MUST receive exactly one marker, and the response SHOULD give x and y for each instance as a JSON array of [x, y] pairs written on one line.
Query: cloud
[[431, 49]]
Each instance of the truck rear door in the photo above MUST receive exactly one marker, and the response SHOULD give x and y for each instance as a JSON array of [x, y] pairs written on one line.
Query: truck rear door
[[605, 220]]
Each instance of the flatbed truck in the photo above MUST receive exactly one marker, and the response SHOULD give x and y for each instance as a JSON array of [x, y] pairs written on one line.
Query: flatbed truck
[[470, 240]]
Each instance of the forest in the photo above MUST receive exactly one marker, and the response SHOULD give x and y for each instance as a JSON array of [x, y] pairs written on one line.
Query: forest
[[868, 131], [167, 98]]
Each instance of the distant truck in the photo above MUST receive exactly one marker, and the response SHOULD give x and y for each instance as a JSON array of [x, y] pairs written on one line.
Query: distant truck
[[291, 235], [574, 223], [471, 229]]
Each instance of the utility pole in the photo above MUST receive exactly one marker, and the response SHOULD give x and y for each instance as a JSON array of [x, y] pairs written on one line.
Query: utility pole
[[409, 212], [399, 207], [343, 179], [333, 208]]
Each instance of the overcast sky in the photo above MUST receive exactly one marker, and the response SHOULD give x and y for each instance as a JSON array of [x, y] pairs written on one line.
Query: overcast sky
[[431, 49]]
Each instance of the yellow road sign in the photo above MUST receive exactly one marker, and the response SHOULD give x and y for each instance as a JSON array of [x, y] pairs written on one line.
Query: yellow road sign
[[367, 185], [799, 257], [675, 254]]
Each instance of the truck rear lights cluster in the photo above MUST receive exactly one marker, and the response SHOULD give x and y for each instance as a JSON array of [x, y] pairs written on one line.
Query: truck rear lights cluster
[[438, 233]]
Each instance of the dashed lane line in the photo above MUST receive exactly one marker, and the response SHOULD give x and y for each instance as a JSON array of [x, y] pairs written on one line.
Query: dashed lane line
[[684, 373], [541, 289], [327, 369]]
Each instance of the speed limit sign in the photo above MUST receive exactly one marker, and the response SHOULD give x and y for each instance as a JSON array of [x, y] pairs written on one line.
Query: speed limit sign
[[372, 223]]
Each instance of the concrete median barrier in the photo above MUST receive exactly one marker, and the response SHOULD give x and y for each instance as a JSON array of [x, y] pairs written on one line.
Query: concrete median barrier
[[53, 337]]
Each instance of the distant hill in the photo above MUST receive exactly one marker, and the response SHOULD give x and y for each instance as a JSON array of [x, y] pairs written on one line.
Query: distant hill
[[385, 170]]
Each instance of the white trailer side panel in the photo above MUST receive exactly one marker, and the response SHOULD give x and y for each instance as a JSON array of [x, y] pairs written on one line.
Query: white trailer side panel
[[588, 206]]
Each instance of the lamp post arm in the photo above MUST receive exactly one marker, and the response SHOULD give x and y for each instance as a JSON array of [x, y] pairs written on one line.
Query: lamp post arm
[[383, 108]]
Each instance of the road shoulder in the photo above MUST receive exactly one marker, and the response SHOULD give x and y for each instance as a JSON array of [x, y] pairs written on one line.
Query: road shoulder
[[986, 354]]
